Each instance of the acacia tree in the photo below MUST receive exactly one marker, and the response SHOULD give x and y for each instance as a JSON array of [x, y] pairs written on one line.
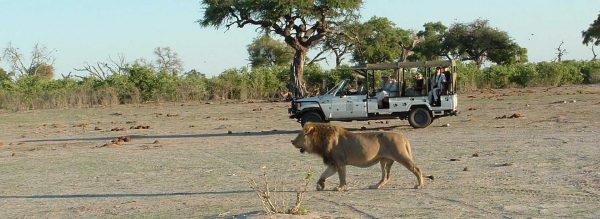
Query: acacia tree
[[592, 35], [266, 51], [478, 42], [302, 23]]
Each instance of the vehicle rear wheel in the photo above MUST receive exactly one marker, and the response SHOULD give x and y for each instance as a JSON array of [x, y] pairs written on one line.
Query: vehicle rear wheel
[[310, 116], [419, 118]]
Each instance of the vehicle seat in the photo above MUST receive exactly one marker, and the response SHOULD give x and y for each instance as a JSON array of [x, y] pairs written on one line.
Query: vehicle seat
[[385, 103]]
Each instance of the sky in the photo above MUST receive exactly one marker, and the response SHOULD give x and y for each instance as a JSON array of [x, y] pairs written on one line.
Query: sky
[[81, 32]]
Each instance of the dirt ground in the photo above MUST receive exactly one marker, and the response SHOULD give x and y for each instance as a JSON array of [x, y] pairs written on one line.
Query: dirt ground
[[195, 160]]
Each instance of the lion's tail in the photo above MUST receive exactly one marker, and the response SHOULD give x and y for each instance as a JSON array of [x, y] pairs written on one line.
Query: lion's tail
[[409, 151]]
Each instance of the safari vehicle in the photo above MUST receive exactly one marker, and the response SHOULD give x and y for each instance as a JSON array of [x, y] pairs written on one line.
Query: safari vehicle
[[341, 103]]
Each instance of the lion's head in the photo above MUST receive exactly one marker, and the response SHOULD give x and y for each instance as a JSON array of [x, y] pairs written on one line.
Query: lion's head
[[317, 138]]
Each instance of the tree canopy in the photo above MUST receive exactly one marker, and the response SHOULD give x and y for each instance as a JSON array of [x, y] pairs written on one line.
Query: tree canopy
[[592, 34], [431, 47], [378, 40], [478, 41]]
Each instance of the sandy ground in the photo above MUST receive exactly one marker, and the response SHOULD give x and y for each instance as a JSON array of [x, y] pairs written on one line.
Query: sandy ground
[[195, 161]]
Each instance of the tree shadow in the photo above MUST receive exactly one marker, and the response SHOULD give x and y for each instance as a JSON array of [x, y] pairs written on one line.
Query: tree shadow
[[123, 195], [209, 135]]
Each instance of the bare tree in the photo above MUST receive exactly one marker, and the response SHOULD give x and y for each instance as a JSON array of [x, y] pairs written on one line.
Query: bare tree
[[40, 56], [560, 52], [168, 60], [102, 70]]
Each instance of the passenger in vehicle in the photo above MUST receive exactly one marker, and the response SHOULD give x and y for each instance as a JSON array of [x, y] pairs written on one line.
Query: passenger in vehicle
[[448, 76], [386, 86], [359, 89], [393, 86], [437, 85], [419, 82]]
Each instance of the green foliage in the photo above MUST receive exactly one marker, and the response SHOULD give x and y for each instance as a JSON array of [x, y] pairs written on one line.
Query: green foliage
[[378, 40], [559, 73], [144, 78], [498, 76], [431, 47], [592, 34], [591, 72], [218, 12], [4, 75], [478, 42], [469, 77], [524, 74], [266, 51], [143, 83]]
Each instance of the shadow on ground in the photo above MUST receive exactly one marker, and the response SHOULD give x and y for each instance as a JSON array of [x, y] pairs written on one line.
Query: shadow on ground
[[209, 135]]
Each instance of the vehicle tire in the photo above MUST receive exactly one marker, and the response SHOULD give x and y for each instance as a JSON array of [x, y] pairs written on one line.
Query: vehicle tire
[[419, 118], [310, 116]]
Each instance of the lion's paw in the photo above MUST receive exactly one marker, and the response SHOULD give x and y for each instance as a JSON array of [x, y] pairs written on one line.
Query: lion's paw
[[341, 189], [419, 186], [320, 185]]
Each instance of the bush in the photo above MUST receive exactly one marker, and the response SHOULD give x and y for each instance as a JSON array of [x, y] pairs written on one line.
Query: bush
[[498, 76], [524, 74], [142, 83], [591, 72], [468, 77]]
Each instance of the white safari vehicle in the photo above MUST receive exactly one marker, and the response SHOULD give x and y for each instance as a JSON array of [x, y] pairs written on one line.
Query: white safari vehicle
[[346, 102]]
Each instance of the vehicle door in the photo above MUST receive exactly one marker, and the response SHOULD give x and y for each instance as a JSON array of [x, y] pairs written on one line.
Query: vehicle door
[[349, 106]]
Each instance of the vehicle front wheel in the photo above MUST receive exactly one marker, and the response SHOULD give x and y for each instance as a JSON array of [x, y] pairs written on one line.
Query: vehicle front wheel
[[419, 118], [310, 116]]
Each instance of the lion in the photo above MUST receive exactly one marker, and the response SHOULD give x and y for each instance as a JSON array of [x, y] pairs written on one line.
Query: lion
[[338, 147]]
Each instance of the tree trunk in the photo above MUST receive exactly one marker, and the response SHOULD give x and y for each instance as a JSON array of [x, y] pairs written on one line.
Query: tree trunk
[[297, 87], [338, 59]]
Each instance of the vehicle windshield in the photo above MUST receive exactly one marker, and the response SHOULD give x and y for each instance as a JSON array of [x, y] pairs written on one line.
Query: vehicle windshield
[[339, 87]]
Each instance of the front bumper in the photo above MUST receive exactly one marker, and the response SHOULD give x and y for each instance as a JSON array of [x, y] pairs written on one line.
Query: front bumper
[[293, 111]]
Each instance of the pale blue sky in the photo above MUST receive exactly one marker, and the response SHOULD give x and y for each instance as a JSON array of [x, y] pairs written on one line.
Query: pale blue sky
[[90, 30]]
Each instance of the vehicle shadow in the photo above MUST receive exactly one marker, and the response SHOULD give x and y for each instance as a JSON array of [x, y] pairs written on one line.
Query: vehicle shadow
[[208, 135], [386, 128]]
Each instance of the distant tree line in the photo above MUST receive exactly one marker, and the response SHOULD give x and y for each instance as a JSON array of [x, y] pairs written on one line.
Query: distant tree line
[[488, 58]]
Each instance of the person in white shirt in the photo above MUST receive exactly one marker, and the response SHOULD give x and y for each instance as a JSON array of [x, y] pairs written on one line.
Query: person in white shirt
[[386, 86]]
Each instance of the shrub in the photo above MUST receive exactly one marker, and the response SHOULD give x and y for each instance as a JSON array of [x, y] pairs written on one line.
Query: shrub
[[524, 74], [591, 72], [468, 77]]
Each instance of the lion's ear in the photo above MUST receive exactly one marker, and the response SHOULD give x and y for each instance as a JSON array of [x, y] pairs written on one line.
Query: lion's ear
[[308, 129]]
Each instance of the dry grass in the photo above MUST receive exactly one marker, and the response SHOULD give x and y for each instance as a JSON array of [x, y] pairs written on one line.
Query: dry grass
[[275, 204]]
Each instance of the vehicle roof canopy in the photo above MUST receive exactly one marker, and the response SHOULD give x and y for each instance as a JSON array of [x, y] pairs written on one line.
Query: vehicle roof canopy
[[400, 65]]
